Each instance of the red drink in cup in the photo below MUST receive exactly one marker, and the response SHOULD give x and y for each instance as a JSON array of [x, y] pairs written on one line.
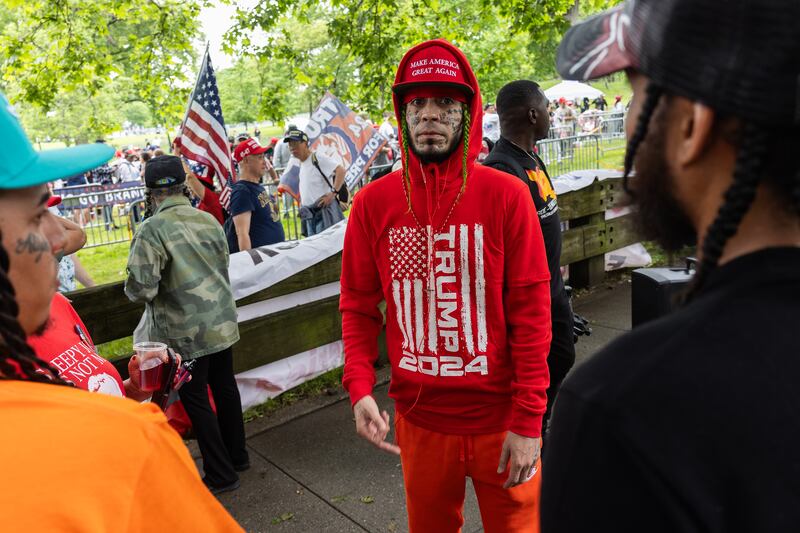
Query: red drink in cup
[[151, 357], [152, 375]]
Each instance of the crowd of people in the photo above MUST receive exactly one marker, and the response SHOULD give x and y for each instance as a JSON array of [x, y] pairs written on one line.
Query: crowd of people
[[685, 424]]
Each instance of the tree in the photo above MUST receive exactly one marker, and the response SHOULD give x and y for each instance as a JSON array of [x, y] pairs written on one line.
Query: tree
[[240, 92], [53, 48], [138, 113], [73, 118], [365, 39]]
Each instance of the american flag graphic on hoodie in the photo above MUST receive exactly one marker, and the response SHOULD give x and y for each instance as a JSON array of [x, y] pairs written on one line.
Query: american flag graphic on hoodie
[[440, 301]]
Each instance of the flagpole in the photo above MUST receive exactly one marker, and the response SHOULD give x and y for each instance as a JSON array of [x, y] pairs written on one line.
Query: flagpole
[[196, 81]]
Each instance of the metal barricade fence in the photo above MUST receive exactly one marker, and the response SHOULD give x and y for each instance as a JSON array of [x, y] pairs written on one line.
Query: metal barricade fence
[[103, 223], [289, 212], [290, 208], [110, 224], [577, 152]]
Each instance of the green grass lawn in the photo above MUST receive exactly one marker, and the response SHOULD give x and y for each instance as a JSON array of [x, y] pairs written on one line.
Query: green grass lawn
[[105, 264], [612, 154]]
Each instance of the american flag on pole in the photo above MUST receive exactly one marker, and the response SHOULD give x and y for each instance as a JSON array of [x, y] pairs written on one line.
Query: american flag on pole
[[203, 137]]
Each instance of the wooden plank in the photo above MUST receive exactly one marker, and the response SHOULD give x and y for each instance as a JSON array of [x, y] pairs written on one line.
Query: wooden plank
[[583, 202], [322, 273], [109, 314], [621, 232], [596, 198], [591, 269], [572, 246], [279, 335], [106, 311], [615, 194]]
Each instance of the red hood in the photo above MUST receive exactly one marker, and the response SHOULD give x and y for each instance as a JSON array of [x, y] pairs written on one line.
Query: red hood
[[450, 170]]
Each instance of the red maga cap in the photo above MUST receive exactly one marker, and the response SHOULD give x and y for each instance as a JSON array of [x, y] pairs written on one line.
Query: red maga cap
[[432, 65], [247, 147]]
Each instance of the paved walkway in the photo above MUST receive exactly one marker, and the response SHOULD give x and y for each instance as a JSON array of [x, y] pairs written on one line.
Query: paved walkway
[[311, 473]]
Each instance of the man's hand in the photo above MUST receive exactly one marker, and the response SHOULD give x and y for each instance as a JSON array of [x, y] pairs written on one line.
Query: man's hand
[[373, 425], [523, 453], [326, 200]]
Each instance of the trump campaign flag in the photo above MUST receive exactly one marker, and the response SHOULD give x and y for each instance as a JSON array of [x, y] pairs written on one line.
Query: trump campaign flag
[[336, 131], [202, 136]]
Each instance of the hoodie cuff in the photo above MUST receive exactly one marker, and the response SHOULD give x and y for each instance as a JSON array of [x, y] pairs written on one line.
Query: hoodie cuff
[[526, 424], [358, 390]]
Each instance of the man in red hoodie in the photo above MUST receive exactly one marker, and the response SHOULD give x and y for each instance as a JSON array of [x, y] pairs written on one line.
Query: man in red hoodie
[[456, 251]]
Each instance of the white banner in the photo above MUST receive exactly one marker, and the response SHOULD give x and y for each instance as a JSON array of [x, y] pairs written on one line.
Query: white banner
[[258, 385], [255, 270], [287, 301]]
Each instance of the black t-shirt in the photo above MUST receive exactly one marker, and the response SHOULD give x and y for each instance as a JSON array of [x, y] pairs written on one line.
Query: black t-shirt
[[265, 225], [691, 422], [544, 197]]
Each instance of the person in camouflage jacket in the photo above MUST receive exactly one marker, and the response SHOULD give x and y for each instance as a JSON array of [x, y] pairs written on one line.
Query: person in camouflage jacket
[[178, 266]]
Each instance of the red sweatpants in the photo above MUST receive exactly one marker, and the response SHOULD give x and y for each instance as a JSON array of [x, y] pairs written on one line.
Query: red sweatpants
[[435, 468]]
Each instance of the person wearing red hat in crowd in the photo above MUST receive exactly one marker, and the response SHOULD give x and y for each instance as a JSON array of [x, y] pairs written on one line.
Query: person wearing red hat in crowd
[[270, 152], [456, 251], [256, 214], [567, 116], [129, 169]]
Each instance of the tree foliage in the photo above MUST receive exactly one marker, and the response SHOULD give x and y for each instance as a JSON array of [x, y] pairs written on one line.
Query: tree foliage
[[73, 118], [54, 52], [364, 40]]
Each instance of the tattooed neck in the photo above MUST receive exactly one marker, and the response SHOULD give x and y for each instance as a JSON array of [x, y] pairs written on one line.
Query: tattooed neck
[[33, 244]]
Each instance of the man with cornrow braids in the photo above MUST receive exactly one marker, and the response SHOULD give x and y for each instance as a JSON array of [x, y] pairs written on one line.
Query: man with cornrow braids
[[456, 250], [689, 423], [75, 461]]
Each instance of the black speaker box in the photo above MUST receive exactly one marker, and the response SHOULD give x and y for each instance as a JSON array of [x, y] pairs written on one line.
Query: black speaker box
[[654, 292]]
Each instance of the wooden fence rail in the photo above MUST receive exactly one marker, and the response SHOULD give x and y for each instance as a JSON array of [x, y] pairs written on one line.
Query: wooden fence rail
[[109, 315]]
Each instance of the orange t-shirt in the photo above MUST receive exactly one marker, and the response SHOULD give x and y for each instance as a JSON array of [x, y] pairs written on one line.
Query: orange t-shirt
[[91, 462]]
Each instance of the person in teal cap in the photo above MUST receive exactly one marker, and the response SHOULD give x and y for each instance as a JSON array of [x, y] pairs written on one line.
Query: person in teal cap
[[74, 460]]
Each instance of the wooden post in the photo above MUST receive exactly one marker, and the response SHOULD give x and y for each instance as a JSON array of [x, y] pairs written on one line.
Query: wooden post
[[592, 270]]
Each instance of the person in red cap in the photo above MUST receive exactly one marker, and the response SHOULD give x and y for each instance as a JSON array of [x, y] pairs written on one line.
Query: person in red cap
[[566, 115], [270, 152], [256, 215], [468, 308]]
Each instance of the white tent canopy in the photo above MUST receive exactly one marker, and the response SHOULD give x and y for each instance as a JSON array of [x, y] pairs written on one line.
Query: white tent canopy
[[572, 90]]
